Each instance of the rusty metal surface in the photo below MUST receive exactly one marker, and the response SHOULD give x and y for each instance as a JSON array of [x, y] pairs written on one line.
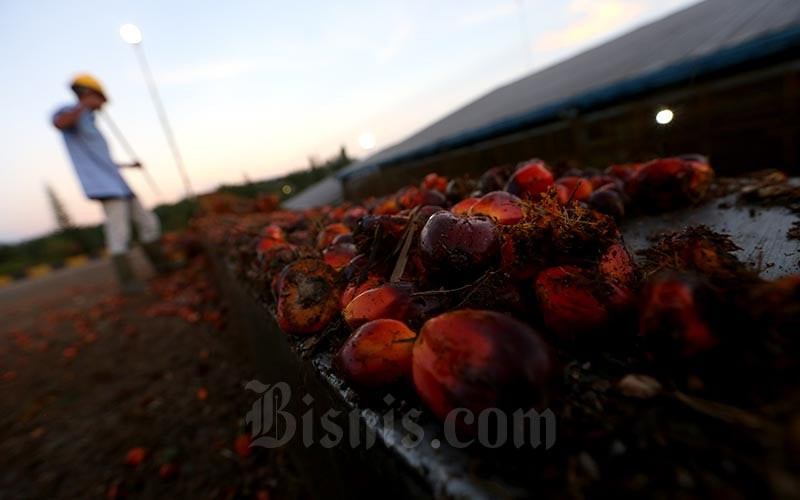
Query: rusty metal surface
[[759, 231]]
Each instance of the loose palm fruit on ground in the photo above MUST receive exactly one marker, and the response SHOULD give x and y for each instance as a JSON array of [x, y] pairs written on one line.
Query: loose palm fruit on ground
[[569, 302], [458, 248], [390, 301], [578, 188], [503, 207], [377, 354], [668, 183], [478, 359], [308, 296], [673, 321], [530, 180]]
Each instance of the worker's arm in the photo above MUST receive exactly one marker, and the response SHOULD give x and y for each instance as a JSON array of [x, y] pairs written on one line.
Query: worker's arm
[[68, 118]]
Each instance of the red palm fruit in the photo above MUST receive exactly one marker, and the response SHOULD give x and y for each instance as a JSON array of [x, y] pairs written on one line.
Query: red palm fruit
[[562, 194], [377, 354], [530, 180], [669, 183], [135, 456], [343, 238], [598, 181], [329, 232], [271, 236], [463, 206], [568, 304], [278, 256], [608, 200], [339, 255], [308, 297], [494, 179], [578, 188], [623, 171], [409, 197], [672, 320], [618, 271], [389, 301], [504, 207], [517, 267], [353, 215], [353, 290], [387, 207], [479, 359], [458, 247], [435, 181], [388, 228], [432, 197]]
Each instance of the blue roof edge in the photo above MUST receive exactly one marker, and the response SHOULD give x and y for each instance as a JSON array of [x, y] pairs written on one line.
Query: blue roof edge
[[759, 47]]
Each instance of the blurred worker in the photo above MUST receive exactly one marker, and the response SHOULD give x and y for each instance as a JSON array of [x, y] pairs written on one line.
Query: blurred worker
[[102, 181]]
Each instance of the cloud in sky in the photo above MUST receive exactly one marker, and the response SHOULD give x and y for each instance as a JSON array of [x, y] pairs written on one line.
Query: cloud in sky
[[397, 40], [481, 16], [589, 19]]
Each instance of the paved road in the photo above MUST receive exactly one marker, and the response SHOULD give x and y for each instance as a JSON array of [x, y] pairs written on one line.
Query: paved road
[[78, 286]]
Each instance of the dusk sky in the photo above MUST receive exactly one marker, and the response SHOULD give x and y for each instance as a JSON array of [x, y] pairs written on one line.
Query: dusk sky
[[256, 88]]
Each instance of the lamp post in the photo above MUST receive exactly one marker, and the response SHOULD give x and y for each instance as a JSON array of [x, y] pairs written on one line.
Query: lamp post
[[132, 35]]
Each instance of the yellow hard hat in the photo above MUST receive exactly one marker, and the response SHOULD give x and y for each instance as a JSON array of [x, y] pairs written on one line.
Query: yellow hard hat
[[88, 82]]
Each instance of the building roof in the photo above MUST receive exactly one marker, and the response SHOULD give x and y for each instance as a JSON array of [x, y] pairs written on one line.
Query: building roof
[[710, 36]]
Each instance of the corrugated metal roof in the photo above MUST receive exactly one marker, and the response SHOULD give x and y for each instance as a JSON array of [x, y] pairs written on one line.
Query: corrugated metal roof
[[685, 41]]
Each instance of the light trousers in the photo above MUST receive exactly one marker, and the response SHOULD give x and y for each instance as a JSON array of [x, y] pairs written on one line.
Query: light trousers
[[119, 213]]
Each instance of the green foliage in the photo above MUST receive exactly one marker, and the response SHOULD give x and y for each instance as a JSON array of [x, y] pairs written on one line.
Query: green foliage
[[55, 247]]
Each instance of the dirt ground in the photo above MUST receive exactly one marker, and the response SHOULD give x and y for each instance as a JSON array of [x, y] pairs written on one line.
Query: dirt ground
[[103, 396]]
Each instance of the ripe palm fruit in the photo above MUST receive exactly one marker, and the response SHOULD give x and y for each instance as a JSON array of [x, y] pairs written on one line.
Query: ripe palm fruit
[[530, 180], [339, 255], [308, 296], [578, 188], [435, 181], [609, 200], [329, 232], [463, 206], [387, 228], [377, 354], [568, 301], [672, 320], [389, 301], [459, 248], [494, 178], [504, 207], [668, 183], [271, 236], [479, 359], [354, 288]]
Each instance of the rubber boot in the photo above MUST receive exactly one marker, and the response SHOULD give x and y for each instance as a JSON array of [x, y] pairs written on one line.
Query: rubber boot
[[160, 261], [128, 283]]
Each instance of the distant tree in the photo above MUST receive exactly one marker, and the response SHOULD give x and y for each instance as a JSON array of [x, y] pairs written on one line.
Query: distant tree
[[63, 219]]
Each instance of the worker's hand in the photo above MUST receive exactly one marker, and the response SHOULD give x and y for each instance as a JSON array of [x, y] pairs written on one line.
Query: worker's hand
[[135, 164]]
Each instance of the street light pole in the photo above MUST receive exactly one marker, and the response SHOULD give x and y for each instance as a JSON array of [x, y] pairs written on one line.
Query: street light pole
[[131, 34]]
